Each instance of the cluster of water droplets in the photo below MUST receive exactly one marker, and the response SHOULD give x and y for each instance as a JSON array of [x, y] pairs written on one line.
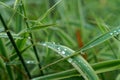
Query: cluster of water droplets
[[61, 50], [115, 32], [30, 62], [18, 62]]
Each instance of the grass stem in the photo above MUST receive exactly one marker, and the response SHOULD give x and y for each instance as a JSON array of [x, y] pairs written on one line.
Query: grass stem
[[14, 45]]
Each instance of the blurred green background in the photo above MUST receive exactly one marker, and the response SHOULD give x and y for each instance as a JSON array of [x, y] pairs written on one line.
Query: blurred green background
[[72, 23]]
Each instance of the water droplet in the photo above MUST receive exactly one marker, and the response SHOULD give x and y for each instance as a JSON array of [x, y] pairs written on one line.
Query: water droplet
[[29, 62], [29, 37], [63, 52], [58, 49], [65, 49], [85, 65], [115, 31], [70, 60], [111, 33], [44, 44]]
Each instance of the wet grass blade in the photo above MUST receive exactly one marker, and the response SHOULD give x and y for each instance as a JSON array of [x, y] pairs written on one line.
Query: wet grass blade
[[92, 43], [101, 39], [14, 45], [78, 62], [100, 67], [32, 38]]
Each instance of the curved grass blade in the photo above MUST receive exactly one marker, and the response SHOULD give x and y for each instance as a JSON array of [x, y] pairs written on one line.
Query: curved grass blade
[[77, 61], [100, 67], [101, 38]]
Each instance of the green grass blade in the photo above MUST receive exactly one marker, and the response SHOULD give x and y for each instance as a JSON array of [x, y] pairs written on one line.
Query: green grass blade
[[78, 62], [14, 45], [101, 38], [59, 75], [35, 28], [14, 56], [100, 67], [5, 5], [15, 36], [32, 40], [66, 37], [48, 11], [4, 52], [39, 27]]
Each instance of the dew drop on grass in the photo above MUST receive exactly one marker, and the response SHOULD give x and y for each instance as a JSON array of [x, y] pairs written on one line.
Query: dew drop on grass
[[29, 62], [29, 37], [115, 31], [70, 60], [58, 49], [63, 52], [111, 34], [44, 44]]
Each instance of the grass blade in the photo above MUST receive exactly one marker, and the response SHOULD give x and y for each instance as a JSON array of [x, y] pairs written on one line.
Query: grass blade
[[5, 54], [101, 39], [32, 38], [100, 67], [77, 61], [38, 27], [3, 4], [15, 36], [48, 11], [13, 43]]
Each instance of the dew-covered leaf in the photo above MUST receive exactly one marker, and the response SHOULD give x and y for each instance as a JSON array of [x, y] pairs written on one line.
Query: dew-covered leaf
[[78, 62], [101, 38], [100, 67]]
